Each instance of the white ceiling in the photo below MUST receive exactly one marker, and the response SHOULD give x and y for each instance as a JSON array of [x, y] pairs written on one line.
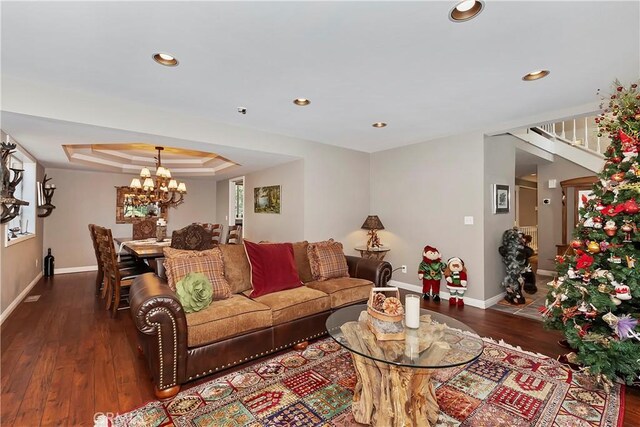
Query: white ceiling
[[404, 63], [45, 138]]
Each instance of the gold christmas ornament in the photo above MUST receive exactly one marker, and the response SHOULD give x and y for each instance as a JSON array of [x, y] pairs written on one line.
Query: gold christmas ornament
[[593, 247], [611, 319]]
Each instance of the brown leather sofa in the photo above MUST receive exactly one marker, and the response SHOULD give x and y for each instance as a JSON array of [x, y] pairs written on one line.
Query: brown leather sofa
[[181, 348]]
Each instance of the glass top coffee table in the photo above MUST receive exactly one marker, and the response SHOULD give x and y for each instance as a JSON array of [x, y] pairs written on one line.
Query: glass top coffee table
[[394, 385]]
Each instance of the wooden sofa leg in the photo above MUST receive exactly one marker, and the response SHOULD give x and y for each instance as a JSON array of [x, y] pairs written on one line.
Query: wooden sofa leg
[[301, 346], [166, 393]]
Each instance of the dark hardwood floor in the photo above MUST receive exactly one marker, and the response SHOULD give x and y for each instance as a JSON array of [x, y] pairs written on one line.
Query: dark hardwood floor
[[64, 359]]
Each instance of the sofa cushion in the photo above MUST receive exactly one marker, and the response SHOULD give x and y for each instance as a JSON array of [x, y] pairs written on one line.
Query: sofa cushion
[[344, 290], [210, 265], [273, 268], [227, 318], [294, 303], [302, 261], [327, 260], [237, 270]]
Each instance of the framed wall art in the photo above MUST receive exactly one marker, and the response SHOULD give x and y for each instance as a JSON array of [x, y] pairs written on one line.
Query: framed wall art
[[266, 199], [501, 199]]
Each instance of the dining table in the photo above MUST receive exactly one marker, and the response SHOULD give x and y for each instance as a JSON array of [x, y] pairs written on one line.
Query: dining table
[[146, 249]]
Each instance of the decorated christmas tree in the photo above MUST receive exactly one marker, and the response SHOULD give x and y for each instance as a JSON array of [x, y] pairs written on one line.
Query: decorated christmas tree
[[595, 300]]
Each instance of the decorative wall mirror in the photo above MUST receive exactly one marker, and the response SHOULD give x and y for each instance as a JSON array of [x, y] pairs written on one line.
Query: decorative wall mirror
[[572, 192], [127, 213]]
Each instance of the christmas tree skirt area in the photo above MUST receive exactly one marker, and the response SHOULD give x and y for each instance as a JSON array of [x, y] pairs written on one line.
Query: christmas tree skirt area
[[533, 301], [505, 387]]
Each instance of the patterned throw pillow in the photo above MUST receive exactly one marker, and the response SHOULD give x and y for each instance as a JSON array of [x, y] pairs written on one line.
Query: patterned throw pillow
[[210, 265], [327, 260], [185, 253]]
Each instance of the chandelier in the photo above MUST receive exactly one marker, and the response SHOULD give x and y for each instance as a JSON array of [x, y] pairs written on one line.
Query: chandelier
[[164, 191]]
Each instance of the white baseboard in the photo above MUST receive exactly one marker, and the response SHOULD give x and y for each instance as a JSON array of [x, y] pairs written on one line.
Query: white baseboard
[[5, 314], [68, 270], [546, 272], [444, 295]]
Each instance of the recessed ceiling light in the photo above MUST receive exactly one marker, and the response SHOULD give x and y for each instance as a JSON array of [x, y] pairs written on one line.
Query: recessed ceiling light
[[379, 124], [466, 10], [535, 75], [301, 101], [165, 59]]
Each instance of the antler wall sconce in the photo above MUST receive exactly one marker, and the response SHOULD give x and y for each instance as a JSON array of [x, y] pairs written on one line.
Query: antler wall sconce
[[47, 194]]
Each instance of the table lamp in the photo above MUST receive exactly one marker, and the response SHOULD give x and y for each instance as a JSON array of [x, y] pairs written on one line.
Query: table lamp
[[373, 224]]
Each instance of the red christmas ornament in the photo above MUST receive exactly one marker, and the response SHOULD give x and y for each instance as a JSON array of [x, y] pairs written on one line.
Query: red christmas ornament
[[613, 211], [618, 177], [576, 244], [631, 207], [584, 261], [616, 159]]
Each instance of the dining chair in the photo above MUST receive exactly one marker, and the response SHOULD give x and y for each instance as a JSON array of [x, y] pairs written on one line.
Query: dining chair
[[216, 230], [115, 278], [234, 237], [193, 237], [126, 260], [144, 229]]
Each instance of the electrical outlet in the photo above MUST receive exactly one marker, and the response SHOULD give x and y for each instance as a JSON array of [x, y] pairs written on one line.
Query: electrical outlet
[[404, 268]]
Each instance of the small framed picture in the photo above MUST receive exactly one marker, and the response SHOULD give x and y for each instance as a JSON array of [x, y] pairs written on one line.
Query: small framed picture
[[501, 199]]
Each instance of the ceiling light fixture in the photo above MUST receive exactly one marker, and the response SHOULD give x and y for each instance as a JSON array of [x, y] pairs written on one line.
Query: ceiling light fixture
[[379, 124], [165, 59], [301, 102], [164, 191], [536, 75], [466, 10]]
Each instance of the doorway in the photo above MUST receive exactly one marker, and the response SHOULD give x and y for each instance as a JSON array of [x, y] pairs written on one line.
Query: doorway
[[236, 202]]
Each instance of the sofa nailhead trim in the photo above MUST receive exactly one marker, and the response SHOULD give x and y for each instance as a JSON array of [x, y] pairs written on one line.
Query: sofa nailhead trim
[[228, 365], [175, 345]]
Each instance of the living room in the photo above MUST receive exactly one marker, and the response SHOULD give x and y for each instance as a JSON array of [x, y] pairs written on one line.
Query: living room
[[411, 115]]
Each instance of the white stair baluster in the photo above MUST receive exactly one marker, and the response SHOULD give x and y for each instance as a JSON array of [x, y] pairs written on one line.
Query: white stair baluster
[[563, 134], [574, 131], [586, 133]]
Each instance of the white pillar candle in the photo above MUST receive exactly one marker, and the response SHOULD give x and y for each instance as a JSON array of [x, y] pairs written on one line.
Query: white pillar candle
[[412, 311]]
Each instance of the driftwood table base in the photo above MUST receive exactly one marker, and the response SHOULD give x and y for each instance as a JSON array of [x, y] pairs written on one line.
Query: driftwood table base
[[390, 396], [387, 395]]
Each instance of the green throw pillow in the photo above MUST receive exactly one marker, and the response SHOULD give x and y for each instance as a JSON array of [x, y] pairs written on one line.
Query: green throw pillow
[[194, 292]]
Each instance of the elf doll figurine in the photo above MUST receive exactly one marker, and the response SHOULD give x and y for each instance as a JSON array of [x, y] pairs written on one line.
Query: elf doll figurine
[[430, 272], [455, 274]]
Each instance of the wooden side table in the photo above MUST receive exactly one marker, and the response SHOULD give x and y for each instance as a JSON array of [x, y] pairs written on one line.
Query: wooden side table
[[373, 253]]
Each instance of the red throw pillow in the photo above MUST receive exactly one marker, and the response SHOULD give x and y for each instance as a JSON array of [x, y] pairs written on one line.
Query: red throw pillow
[[273, 267]]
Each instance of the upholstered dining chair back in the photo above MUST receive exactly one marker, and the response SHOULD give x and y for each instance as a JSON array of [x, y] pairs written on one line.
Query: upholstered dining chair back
[[193, 237], [144, 229], [234, 237]]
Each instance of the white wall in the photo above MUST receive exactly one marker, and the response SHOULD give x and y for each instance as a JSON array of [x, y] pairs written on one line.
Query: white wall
[[84, 197], [18, 262], [288, 226], [550, 216], [499, 168], [336, 194], [422, 193]]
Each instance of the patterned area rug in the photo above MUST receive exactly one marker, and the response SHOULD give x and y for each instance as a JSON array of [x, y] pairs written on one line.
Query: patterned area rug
[[504, 387]]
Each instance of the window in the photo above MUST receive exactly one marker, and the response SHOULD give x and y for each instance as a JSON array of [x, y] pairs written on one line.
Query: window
[[239, 200], [23, 226]]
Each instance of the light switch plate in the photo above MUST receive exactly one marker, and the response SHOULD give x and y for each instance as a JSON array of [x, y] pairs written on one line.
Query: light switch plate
[[553, 183], [468, 220]]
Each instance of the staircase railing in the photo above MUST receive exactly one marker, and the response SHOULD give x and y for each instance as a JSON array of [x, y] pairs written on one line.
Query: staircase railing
[[579, 132]]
